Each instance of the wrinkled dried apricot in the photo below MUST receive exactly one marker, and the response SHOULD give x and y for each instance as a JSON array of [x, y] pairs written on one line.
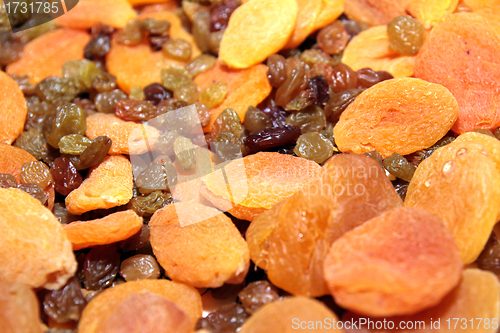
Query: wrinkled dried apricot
[[329, 12], [256, 30], [370, 49], [108, 185], [198, 245], [86, 13], [128, 137], [400, 115], [19, 309], [374, 12], [13, 109], [39, 61], [34, 249], [397, 263], [97, 312], [291, 239], [258, 182], [244, 87], [462, 53], [306, 21], [12, 160], [460, 183], [474, 301], [110, 229], [429, 12], [281, 316]]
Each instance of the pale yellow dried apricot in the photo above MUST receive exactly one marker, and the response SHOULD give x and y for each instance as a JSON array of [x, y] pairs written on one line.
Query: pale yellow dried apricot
[[429, 12], [460, 183], [330, 11], [399, 115], [256, 30], [198, 245], [370, 49], [97, 312], [306, 21], [13, 109], [108, 185], [374, 12], [34, 249], [19, 309]]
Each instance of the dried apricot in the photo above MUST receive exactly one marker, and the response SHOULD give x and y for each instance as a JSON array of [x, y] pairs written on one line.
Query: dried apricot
[[258, 182], [397, 263], [474, 301], [306, 21], [256, 30], [110, 229], [19, 309], [12, 160], [462, 53], [329, 12], [293, 314], [429, 12], [400, 115], [34, 248], [291, 239], [128, 137], [460, 183], [171, 3], [13, 109], [108, 185], [245, 87], [102, 307], [86, 13], [39, 61], [198, 245], [370, 49], [374, 12]]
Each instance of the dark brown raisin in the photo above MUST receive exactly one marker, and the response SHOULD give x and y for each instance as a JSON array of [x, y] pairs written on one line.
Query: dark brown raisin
[[157, 42], [344, 78], [62, 214], [277, 115], [353, 28], [401, 186], [319, 85], [66, 177], [7, 180], [97, 47], [95, 152], [105, 101], [339, 102], [226, 319], [134, 110], [137, 241], [156, 93], [292, 86], [258, 294], [256, 120], [220, 14], [101, 266], [367, 78], [65, 304], [489, 259], [272, 137], [276, 70], [399, 166]]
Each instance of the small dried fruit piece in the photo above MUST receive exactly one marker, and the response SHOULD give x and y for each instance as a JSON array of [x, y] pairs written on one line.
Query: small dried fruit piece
[[65, 175], [382, 268], [280, 315], [36, 173], [257, 294], [65, 304], [227, 318], [177, 48], [221, 255], [12, 160], [333, 38], [73, 144], [214, 95], [107, 230], [406, 35], [13, 109], [395, 121], [140, 267], [185, 153], [108, 185], [250, 38], [460, 183], [258, 182], [70, 119], [37, 253], [101, 266], [19, 309], [314, 146]]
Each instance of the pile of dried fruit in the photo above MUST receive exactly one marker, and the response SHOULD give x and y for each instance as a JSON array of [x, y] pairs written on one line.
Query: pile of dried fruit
[[223, 166]]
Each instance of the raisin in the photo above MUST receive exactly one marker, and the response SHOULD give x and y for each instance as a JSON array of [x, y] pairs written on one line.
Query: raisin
[[226, 319], [188, 93], [200, 64], [314, 56], [170, 105], [309, 119], [352, 28], [147, 205], [401, 187], [314, 146], [33, 141], [156, 93], [101, 266], [399, 166], [40, 113], [339, 102], [304, 99], [227, 121], [277, 115], [203, 112], [177, 48], [65, 176], [134, 110], [201, 29], [35, 191], [165, 142], [175, 76], [105, 101], [70, 119], [97, 47], [160, 175], [7, 180], [276, 70], [10, 51], [406, 35], [185, 153], [489, 259], [23, 81], [344, 78], [214, 95], [292, 86], [496, 133], [256, 120], [36, 173], [74, 144], [157, 42], [320, 87], [62, 214], [376, 156], [95, 152], [65, 304], [58, 91], [220, 14], [132, 34], [272, 137], [104, 81], [227, 146], [136, 93], [258, 294], [214, 40], [333, 38], [367, 78], [86, 104], [140, 267]]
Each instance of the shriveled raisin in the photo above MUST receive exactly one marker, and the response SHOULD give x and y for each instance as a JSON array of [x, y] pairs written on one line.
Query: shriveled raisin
[[185, 153], [200, 64], [95, 152], [156, 93], [226, 319], [256, 120], [203, 112], [277, 115], [314, 56], [292, 86], [401, 187], [104, 81], [74, 144], [70, 119], [227, 121], [177, 48], [156, 27], [40, 114], [489, 259], [23, 81], [65, 304], [258, 294], [309, 119], [319, 85], [406, 34], [66, 177], [214, 40], [101, 266], [344, 77], [201, 29], [157, 42], [105, 101], [399, 166], [132, 34], [35, 191], [7, 180], [353, 28], [276, 70], [134, 110], [187, 92], [227, 146], [62, 214], [33, 141], [165, 142], [367, 78], [97, 47], [220, 14], [314, 146], [272, 137], [304, 99], [36, 173], [175, 76], [160, 175], [339, 102], [333, 38], [214, 95], [147, 205], [58, 90], [140, 267]]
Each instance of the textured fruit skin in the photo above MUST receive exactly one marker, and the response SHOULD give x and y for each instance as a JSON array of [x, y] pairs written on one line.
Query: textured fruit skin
[[430, 12], [460, 183], [13, 109], [256, 30], [397, 263], [463, 54], [12, 160], [108, 185], [19, 309], [329, 12], [279, 316], [34, 248], [291, 239], [389, 117], [374, 12], [221, 255], [102, 306], [308, 12], [477, 296]]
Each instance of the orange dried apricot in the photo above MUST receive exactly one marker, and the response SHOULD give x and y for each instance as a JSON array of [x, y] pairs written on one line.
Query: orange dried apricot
[[400, 115], [97, 312], [397, 263], [460, 183], [34, 249], [128, 137], [244, 87], [12, 160], [330, 11], [19, 309], [198, 245], [462, 53], [429, 12], [146, 312], [293, 314], [86, 13], [13, 109], [306, 21], [474, 301], [374, 12], [258, 182], [39, 61], [256, 30], [108, 185], [291, 239], [107, 230], [171, 3], [370, 49]]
